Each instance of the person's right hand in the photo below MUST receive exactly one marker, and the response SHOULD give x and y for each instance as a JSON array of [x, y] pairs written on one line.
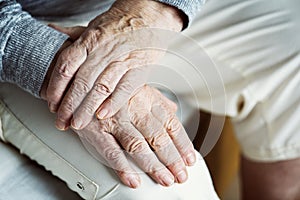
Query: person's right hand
[[148, 130], [110, 60]]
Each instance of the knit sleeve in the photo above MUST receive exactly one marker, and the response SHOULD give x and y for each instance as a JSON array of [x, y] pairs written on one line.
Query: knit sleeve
[[188, 7], [27, 47]]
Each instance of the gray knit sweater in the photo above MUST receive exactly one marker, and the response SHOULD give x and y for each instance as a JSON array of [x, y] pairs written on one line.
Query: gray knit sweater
[[28, 46]]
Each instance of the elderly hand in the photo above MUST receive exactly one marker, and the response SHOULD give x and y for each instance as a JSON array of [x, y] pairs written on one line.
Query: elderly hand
[[108, 62], [146, 123], [149, 131]]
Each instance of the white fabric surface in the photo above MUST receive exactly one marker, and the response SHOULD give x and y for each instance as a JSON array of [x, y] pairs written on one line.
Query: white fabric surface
[[21, 178]]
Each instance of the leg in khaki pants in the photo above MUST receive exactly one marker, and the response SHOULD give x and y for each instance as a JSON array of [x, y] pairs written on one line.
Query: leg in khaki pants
[[256, 50]]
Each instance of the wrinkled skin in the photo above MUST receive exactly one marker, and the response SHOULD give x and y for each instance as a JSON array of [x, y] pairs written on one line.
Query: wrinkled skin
[[149, 131], [146, 128], [109, 61]]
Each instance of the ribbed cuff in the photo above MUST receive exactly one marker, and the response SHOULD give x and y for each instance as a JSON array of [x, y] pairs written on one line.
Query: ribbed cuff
[[189, 7], [29, 52]]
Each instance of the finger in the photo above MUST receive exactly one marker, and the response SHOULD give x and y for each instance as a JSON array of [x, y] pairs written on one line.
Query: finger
[[103, 84], [107, 146], [102, 88], [177, 167], [126, 88], [181, 140], [160, 141], [76, 93], [117, 160], [83, 83], [79, 54], [72, 32], [163, 111], [90, 86], [65, 68], [137, 63], [162, 108], [135, 144]]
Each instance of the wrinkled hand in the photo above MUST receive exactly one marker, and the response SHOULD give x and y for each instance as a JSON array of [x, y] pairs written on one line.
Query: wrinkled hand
[[108, 62], [148, 130], [146, 122]]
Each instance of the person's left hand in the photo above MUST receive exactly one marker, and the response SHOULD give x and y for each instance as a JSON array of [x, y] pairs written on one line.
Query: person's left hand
[[149, 131], [109, 61]]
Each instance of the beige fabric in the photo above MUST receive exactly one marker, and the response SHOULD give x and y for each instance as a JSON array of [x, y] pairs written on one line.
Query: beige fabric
[[253, 74]]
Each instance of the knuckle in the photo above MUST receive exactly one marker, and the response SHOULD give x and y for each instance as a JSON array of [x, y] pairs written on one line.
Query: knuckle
[[91, 38], [102, 89], [89, 109], [110, 124], [127, 87], [172, 126], [65, 68], [103, 123], [63, 71], [159, 141], [136, 146], [140, 119], [93, 33], [80, 85], [113, 154], [66, 107]]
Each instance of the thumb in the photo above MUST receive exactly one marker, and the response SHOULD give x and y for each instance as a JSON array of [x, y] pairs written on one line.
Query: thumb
[[73, 32]]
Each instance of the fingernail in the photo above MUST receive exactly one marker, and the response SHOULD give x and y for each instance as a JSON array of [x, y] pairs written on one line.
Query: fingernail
[[191, 159], [102, 113], [181, 176], [52, 107], [167, 180], [61, 125], [76, 124], [134, 181]]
